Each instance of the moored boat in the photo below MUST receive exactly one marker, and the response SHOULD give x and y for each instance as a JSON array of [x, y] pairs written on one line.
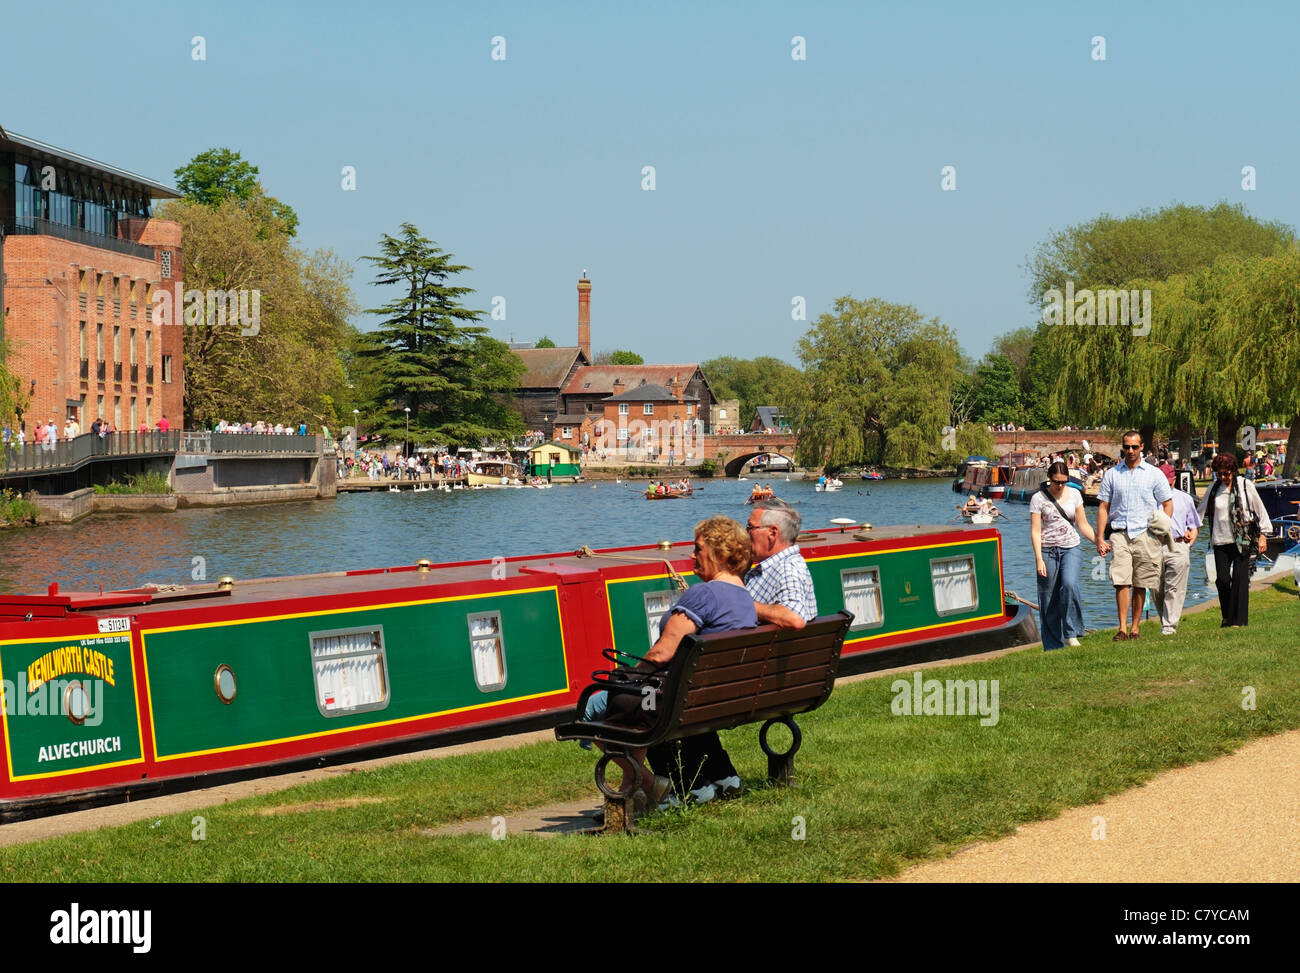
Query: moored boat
[[494, 473], [120, 694]]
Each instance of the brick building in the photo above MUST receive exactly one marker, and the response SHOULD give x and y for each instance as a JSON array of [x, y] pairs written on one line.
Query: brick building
[[81, 259], [567, 397]]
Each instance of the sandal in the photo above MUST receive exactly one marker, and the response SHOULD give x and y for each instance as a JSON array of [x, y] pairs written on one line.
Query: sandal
[[1133, 635], [1120, 636]]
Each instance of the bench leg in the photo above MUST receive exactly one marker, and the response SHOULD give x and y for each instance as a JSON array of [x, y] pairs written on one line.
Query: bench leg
[[620, 803], [780, 766]]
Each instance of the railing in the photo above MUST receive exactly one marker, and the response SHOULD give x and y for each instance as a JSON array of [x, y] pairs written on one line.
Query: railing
[[215, 443], [70, 453], [38, 227]]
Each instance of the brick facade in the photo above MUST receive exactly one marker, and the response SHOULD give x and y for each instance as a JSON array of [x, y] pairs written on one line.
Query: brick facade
[[54, 287]]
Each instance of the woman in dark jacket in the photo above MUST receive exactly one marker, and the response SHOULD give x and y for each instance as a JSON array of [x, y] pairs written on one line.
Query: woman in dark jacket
[[1238, 523]]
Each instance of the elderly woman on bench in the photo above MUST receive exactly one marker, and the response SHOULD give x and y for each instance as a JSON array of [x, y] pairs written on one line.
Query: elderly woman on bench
[[719, 604]]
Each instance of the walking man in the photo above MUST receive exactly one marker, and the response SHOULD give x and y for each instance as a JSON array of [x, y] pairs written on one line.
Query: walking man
[[1184, 525], [1130, 492]]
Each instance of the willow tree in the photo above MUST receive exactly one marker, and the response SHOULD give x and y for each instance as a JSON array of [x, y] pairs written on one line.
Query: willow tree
[[876, 386], [1119, 375], [1255, 334]]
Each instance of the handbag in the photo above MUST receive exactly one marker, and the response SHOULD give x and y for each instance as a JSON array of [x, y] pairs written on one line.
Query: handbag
[[629, 689]]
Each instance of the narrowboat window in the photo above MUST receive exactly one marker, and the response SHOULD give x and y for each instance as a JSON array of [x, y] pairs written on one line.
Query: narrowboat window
[[350, 669], [657, 605], [954, 584], [76, 702], [223, 681], [487, 645], [862, 597]]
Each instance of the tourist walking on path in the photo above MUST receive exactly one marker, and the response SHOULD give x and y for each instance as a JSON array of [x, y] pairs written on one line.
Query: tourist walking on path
[[1184, 526], [1238, 524], [1057, 524], [1130, 492]]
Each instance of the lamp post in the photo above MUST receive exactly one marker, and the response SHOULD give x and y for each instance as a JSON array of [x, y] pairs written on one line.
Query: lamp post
[[405, 444]]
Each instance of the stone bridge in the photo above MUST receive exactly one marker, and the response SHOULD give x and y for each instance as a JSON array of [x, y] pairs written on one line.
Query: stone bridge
[[732, 452]]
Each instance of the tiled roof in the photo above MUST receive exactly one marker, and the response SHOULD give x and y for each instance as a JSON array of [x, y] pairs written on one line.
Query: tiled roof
[[647, 393], [600, 378], [547, 367]]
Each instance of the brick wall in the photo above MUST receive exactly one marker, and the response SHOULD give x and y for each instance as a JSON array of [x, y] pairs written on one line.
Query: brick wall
[[52, 286]]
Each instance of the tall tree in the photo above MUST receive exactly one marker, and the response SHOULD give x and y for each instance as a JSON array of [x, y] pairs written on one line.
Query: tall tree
[[214, 176], [877, 386], [1122, 375], [544, 342], [431, 357], [286, 368]]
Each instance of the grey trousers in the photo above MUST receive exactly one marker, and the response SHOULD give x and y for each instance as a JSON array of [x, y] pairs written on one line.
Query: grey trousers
[[1173, 584]]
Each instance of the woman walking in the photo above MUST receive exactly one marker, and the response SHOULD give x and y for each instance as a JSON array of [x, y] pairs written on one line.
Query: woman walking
[[1056, 522], [1238, 524]]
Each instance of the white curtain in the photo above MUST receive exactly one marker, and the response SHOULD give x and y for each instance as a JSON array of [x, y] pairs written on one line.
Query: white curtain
[[349, 670], [489, 656], [954, 585], [862, 597]]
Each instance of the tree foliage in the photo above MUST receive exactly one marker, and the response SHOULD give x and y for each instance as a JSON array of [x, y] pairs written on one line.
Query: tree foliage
[[618, 357], [1116, 376], [877, 386], [428, 354], [217, 175], [753, 381], [290, 369], [544, 342], [13, 397]]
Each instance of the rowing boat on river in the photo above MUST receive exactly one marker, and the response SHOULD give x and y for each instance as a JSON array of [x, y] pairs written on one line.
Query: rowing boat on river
[[118, 694]]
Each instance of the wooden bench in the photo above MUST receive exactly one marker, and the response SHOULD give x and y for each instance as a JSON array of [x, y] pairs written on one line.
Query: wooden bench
[[719, 682]]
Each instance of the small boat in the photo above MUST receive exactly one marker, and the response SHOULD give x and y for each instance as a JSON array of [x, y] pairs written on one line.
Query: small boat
[[757, 495], [979, 516], [670, 494], [830, 486], [116, 695], [872, 475], [494, 473]]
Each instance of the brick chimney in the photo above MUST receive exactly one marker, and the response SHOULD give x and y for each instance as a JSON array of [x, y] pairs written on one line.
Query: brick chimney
[[584, 315], [676, 387], [618, 386]]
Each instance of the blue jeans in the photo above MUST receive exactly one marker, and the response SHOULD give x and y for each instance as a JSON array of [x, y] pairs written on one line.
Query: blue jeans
[[1060, 609]]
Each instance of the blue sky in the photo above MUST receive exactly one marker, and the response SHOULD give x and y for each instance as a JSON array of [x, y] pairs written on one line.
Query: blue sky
[[774, 177]]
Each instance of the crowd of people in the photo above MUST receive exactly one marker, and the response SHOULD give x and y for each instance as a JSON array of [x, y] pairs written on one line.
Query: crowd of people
[[48, 434], [1149, 521]]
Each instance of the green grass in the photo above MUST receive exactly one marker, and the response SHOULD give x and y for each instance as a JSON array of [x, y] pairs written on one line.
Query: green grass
[[14, 509], [149, 482], [876, 792]]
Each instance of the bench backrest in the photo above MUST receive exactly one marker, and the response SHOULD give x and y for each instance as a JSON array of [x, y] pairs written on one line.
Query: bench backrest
[[728, 679]]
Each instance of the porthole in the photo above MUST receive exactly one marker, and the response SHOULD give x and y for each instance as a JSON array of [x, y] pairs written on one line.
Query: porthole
[[223, 680], [76, 702]]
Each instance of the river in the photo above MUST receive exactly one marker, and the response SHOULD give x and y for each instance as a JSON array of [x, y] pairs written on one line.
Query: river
[[367, 530]]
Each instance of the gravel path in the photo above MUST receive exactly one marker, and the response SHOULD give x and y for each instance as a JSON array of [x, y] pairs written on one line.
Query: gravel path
[[1234, 819]]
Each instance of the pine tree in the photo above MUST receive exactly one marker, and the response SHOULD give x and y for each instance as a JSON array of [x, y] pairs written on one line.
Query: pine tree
[[431, 357]]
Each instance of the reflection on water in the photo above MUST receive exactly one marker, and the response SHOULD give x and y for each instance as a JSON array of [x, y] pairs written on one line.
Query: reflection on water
[[377, 529]]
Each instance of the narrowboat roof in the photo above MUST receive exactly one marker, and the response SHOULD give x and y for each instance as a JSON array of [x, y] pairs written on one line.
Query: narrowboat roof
[[567, 567]]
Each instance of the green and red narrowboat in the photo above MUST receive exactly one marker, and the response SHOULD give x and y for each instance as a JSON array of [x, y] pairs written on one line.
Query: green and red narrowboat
[[124, 693]]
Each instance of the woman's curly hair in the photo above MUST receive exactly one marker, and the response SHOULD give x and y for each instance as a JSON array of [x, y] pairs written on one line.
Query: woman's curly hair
[[1224, 463], [726, 542]]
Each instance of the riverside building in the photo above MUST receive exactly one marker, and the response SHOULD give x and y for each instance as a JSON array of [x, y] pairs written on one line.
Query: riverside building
[[81, 257]]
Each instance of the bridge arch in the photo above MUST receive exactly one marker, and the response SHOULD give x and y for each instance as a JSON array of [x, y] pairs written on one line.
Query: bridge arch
[[736, 463]]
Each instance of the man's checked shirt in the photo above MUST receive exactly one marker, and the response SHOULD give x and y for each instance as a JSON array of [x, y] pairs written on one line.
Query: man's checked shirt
[[783, 579]]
